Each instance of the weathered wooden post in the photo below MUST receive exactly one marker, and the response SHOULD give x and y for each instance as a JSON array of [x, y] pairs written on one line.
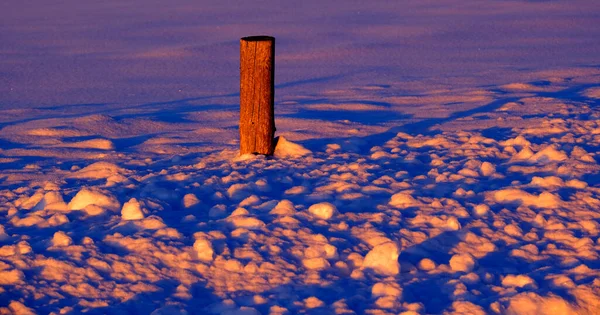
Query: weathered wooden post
[[257, 93]]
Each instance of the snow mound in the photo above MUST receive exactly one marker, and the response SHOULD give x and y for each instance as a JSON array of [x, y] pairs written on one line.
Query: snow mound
[[548, 155], [87, 196], [513, 195], [97, 144], [383, 259], [323, 210], [11, 277], [3, 235], [403, 200], [283, 208], [518, 281], [100, 170], [204, 249], [463, 262], [61, 239], [132, 210], [285, 148], [487, 169], [53, 201]]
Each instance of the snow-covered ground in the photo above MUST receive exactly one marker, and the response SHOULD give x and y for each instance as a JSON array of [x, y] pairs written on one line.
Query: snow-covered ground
[[434, 157]]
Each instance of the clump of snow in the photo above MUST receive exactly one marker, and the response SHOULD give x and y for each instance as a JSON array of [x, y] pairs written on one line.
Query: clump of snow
[[132, 210], [403, 200], [204, 249], [426, 264], [3, 235], [530, 303], [512, 195], [61, 239], [100, 170], [283, 208], [323, 210], [383, 259], [285, 148], [519, 281], [463, 262], [386, 289], [11, 277], [98, 144], [316, 263], [190, 200], [487, 169], [481, 210], [547, 155], [90, 196]]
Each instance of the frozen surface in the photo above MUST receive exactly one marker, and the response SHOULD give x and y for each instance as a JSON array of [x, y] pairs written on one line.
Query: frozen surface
[[433, 157]]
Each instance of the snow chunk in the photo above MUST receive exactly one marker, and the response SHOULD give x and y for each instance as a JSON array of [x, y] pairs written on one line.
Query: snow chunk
[[11, 277], [204, 249], [487, 169], [132, 210], [386, 289], [285, 148], [519, 281], [464, 262], [547, 155], [383, 259], [3, 235], [99, 170], [283, 208], [403, 200], [511, 195], [52, 200], [87, 196], [426, 264], [61, 239], [323, 210], [245, 222], [318, 263], [189, 201], [20, 308], [481, 210], [98, 144], [530, 303]]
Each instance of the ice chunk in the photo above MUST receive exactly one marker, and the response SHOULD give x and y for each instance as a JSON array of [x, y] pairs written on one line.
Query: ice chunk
[[383, 259]]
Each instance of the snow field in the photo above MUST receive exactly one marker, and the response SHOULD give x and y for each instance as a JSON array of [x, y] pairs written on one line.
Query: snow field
[[447, 221]]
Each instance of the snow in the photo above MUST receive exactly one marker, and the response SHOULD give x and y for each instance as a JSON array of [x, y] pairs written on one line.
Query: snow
[[97, 197], [132, 210], [383, 259], [61, 239], [464, 262], [417, 170], [323, 210]]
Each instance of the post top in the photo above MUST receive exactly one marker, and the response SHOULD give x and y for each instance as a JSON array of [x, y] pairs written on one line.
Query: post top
[[259, 38]]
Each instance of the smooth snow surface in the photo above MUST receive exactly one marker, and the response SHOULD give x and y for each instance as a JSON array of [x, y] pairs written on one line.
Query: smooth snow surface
[[434, 157]]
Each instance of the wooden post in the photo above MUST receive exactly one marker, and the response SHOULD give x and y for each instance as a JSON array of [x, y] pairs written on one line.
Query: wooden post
[[257, 93]]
